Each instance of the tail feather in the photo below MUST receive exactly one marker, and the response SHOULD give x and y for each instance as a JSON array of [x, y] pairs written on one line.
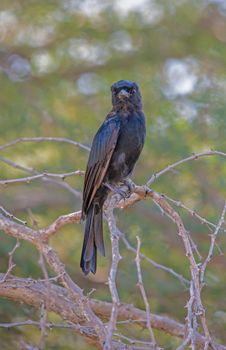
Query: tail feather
[[98, 232], [93, 239]]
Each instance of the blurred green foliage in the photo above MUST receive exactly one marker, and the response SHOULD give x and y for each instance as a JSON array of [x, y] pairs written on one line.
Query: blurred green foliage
[[58, 60]]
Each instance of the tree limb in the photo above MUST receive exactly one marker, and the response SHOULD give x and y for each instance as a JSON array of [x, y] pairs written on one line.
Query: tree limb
[[84, 307], [59, 300]]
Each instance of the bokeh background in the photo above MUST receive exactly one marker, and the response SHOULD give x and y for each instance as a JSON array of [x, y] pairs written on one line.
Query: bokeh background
[[58, 60]]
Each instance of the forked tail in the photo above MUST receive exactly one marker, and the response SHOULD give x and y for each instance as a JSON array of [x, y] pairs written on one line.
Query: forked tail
[[93, 239]]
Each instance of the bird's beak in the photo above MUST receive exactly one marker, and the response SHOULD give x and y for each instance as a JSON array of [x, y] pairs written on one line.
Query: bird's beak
[[123, 94]]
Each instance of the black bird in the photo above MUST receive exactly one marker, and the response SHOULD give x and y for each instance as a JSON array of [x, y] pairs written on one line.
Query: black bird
[[114, 152]]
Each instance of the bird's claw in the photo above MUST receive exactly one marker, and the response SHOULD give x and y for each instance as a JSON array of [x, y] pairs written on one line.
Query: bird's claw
[[123, 194], [130, 184], [117, 190]]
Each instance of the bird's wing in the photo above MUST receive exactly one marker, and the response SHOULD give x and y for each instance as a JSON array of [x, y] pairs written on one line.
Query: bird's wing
[[102, 148]]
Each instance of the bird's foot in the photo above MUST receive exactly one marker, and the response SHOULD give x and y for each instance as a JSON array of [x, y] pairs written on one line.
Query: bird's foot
[[130, 184], [116, 190]]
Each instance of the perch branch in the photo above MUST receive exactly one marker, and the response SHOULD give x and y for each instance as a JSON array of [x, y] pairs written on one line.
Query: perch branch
[[40, 240]]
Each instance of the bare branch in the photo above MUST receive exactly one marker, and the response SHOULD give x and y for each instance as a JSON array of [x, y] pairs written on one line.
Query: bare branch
[[194, 246], [174, 165], [112, 276], [11, 216], [143, 293], [17, 166], [192, 212], [43, 321], [191, 322], [44, 139], [35, 323], [28, 179], [44, 308], [61, 221], [43, 311], [39, 175], [169, 270], [14, 229], [60, 301], [212, 244], [11, 264], [148, 346], [196, 311], [74, 218]]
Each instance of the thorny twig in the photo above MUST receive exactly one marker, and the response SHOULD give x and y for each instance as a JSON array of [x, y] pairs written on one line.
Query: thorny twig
[[112, 277], [33, 171], [11, 216], [42, 177], [195, 292], [35, 323], [203, 269], [167, 269], [28, 179], [192, 305], [174, 165], [43, 327], [193, 244], [212, 244], [43, 308], [191, 322], [11, 264], [134, 341], [143, 293], [195, 296], [44, 139], [192, 212], [43, 311]]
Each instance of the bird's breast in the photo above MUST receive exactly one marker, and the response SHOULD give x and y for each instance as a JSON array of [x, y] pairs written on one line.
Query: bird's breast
[[129, 145]]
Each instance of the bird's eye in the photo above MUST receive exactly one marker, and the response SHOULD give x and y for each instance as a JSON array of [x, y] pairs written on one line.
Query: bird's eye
[[133, 90]]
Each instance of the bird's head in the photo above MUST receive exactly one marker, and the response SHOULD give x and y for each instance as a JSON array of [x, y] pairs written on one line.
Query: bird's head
[[125, 93]]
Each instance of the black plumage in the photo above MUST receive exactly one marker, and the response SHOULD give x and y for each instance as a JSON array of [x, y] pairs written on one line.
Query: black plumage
[[114, 152]]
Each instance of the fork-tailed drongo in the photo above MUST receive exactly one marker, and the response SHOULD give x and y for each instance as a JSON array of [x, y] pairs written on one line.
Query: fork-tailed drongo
[[114, 152]]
